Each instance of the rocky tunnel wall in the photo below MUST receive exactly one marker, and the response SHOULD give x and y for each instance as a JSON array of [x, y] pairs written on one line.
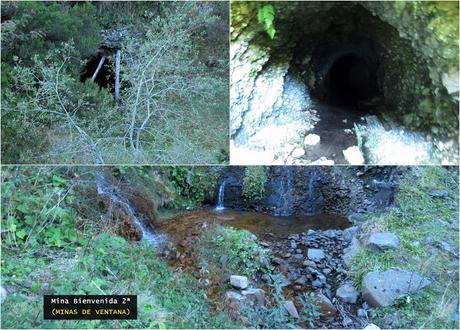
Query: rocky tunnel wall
[[409, 49]]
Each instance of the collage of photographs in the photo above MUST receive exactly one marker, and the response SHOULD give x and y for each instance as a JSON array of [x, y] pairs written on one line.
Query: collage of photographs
[[230, 164]]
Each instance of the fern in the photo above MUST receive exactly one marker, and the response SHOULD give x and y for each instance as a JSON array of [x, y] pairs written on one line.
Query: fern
[[266, 16]]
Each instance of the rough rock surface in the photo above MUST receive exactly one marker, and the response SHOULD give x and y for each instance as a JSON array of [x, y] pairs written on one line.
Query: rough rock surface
[[380, 289], [291, 309], [316, 254], [240, 282], [417, 73], [383, 241], [347, 293]]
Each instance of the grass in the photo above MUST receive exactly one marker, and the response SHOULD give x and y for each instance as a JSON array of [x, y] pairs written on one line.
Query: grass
[[165, 298], [421, 222], [244, 255]]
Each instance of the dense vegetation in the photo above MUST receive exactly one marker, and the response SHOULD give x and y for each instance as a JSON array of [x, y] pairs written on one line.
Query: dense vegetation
[[174, 83]]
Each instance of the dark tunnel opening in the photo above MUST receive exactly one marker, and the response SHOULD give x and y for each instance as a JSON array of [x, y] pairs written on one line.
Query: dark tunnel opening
[[106, 75], [350, 81]]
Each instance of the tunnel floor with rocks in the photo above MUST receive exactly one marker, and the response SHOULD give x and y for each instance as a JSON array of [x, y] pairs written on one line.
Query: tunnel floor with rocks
[[341, 83]]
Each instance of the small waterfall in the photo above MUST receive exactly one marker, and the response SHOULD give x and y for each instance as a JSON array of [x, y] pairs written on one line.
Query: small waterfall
[[310, 187], [220, 197], [105, 188], [284, 206]]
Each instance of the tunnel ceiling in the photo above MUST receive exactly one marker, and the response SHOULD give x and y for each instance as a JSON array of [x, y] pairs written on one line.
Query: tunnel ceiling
[[398, 50]]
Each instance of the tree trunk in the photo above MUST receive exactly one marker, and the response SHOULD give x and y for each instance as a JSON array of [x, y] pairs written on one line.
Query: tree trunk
[[117, 75], [98, 68]]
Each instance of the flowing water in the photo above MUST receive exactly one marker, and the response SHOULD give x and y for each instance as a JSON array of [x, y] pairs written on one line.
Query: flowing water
[[284, 204], [220, 197], [107, 189]]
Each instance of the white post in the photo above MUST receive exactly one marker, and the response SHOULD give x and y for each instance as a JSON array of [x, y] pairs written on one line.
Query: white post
[[117, 75], [98, 68]]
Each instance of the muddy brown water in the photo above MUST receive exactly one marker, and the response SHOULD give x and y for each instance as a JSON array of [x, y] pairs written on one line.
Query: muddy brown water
[[262, 225]]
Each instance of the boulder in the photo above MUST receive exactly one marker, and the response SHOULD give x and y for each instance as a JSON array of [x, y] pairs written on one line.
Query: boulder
[[383, 241], [380, 289], [327, 308], [351, 251], [347, 293], [371, 326], [439, 194], [256, 295], [349, 233], [298, 152], [353, 156], [291, 309], [312, 139], [240, 282], [315, 254]]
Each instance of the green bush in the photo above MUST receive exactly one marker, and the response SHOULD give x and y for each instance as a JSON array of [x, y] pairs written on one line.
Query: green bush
[[36, 27], [38, 209], [254, 182], [195, 185], [245, 257]]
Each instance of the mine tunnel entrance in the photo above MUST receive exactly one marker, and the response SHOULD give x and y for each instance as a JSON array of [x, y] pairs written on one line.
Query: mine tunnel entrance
[[349, 81], [106, 75]]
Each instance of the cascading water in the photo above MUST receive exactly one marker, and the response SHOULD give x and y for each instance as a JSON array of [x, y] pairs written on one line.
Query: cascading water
[[107, 189], [220, 197], [284, 205]]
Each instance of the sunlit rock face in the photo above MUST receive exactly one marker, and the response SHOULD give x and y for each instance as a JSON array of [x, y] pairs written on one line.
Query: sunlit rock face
[[334, 67]]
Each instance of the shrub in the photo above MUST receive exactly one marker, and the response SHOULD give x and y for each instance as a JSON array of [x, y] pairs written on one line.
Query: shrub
[[254, 182], [37, 27]]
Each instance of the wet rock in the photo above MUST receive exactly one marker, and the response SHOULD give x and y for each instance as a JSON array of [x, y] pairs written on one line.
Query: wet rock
[[382, 288], [315, 254], [240, 282], [347, 293], [349, 233], [327, 271], [291, 309], [383, 241], [312, 139], [439, 194], [351, 251], [353, 155], [258, 295]]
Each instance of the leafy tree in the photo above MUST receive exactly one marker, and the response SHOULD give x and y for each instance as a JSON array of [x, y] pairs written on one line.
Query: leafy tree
[[36, 27]]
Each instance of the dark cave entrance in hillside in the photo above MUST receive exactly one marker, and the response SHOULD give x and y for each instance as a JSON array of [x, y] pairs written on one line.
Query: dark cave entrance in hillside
[[350, 81], [106, 75], [344, 75]]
